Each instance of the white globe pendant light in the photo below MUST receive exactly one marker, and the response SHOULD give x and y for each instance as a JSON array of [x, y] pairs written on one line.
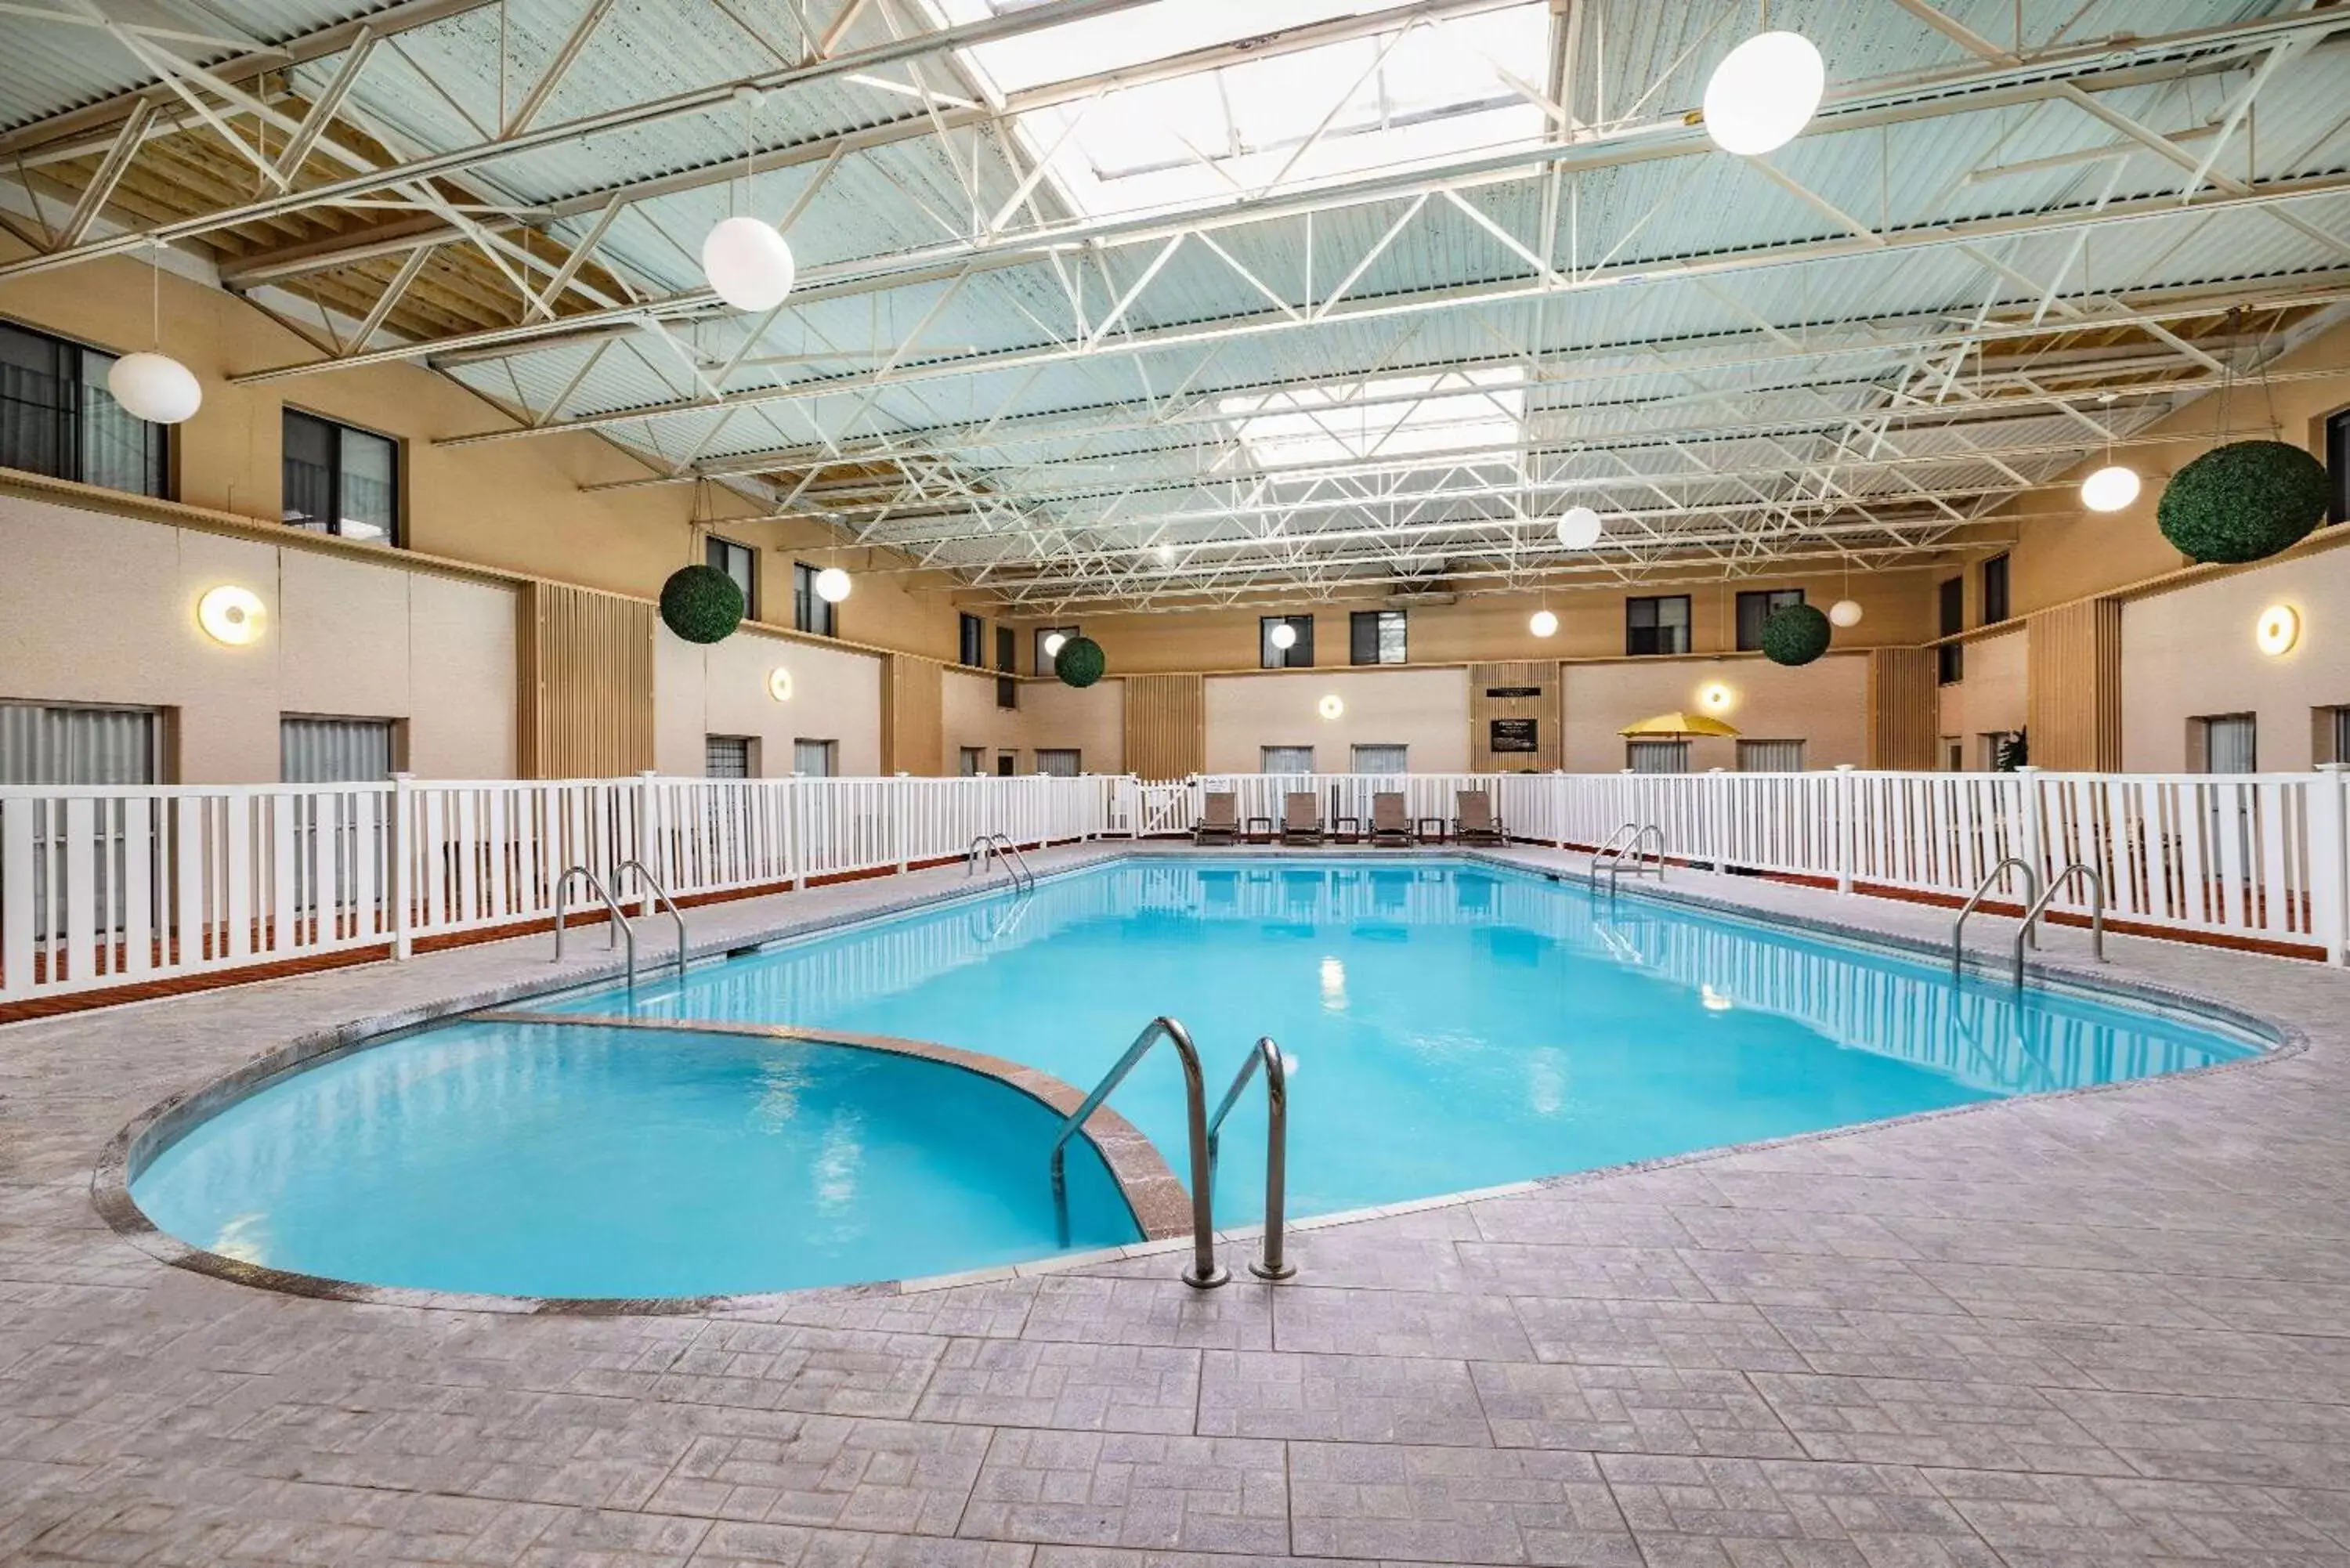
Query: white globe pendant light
[[1845, 612], [1544, 623], [1763, 93], [748, 263], [1283, 635], [1578, 527], [1055, 643], [832, 585], [2109, 489], [155, 388]]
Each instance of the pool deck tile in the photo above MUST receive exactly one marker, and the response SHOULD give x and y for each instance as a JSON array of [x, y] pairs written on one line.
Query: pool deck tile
[[2103, 1328]]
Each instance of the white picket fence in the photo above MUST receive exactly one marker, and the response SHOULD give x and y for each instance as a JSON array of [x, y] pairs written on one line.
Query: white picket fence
[[108, 887], [102, 887]]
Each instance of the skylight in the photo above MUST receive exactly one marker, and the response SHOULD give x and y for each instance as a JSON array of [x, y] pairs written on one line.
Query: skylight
[[1338, 108], [1383, 418]]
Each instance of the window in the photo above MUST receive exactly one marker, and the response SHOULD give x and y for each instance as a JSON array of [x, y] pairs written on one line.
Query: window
[[1298, 655], [728, 756], [974, 641], [1994, 590], [973, 762], [58, 418], [1381, 759], [1656, 625], [2224, 743], [1770, 756], [316, 750], [1950, 605], [1755, 609], [1046, 634], [2000, 750], [42, 745], [1376, 637], [1288, 759], [1007, 689], [740, 562], [1953, 752], [2337, 464], [811, 611], [1059, 763], [1657, 756], [2332, 734], [815, 759], [341, 481]]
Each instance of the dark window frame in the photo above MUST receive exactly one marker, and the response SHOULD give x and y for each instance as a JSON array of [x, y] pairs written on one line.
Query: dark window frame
[[1769, 602], [811, 611], [1655, 634], [1376, 621], [71, 415], [1998, 603], [335, 431], [1951, 607], [2337, 464], [1007, 656], [717, 551], [1298, 655], [972, 635]]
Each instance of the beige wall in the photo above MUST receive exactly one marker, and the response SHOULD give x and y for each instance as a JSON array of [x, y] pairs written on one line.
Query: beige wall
[[2191, 654], [96, 608], [1425, 710], [1821, 704], [1090, 721], [722, 690], [1991, 699]]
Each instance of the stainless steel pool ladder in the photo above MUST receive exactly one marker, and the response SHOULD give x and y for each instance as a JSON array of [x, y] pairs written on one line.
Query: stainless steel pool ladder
[[621, 929], [660, 896], [1621, 853], [1264, 1056], [1203, 1273], [1982, 890], [990, 847], [2056, 886]]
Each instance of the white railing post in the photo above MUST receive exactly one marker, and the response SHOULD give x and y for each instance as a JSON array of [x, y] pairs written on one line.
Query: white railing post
[[2329, 861], [2035, 826], [396, 841], [649, 842], [1843, 827]]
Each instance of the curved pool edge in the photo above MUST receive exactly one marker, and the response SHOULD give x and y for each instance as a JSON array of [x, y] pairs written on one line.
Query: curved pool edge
[[1155, 1196]]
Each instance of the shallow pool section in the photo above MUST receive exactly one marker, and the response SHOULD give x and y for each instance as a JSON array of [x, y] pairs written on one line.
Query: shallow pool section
[[521, 1159]]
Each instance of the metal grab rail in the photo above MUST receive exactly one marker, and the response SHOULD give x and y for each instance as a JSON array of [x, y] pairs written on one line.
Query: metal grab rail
[[1203, 1273], [1617, 855], [1983, 888], [1265, 1055], [2056, 886], [621, 927], [996, 846], [660, 896]]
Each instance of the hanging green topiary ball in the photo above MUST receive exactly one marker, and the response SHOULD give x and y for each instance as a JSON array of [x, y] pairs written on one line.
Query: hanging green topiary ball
[[701, 604], [2243, 501], [1795, 635], [1080, 661]]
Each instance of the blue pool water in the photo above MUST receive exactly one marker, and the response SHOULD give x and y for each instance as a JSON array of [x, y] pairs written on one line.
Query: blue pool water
[[1448, 1026]]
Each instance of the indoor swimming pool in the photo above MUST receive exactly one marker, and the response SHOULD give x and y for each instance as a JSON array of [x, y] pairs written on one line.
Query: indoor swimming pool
[[1448, 1025]]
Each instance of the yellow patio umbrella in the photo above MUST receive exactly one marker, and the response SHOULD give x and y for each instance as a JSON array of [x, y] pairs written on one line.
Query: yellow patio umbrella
[[1676, 726]]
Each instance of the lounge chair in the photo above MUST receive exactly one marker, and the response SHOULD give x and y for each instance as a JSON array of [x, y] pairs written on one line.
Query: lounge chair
[[1219, 818], [1301, 817], [1475, 822], [1390, 820]]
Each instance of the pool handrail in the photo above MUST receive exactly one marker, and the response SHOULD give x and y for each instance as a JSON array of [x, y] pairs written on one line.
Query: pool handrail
[[1982, 889], [2055, 885], [1264, 1054], [1203, 1273], [662, 898], [621, 927], [989, 847], [1617, 855]]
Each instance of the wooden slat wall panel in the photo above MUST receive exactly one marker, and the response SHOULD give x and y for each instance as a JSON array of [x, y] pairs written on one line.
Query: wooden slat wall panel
[[1166, 725], [913, 715], [1547, 708], [1903, 722], [2073, 706], [587, 699]]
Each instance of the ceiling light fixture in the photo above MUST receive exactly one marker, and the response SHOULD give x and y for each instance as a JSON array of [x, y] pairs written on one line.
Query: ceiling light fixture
[[1845, 612], [748, 262], [1579, 527], [832, 585], [1055, 642], [1283, 635], [1544, 623], [1763, 93], [2114, 486], [150, 384]]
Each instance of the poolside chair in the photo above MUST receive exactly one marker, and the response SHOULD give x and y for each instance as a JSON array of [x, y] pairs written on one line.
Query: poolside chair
[[1301, 817], [1475, 822], [1390, 820], [1219, 818]]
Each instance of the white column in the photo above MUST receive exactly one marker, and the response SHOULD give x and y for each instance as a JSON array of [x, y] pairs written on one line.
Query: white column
[[1843, 792], [396, 887], [2329, 861]]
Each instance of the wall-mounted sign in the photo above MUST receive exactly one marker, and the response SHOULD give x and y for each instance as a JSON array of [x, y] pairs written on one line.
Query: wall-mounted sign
[[1513, 735], [1513, 690]]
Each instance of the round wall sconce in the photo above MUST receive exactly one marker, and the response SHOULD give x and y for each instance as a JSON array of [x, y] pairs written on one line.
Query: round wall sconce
[[1332, 706], [1713, 696], [779, 684], [231, 614], [2278, 629]]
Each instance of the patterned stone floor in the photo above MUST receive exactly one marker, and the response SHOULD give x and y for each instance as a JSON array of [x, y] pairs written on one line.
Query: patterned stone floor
[[2109, 1328]]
